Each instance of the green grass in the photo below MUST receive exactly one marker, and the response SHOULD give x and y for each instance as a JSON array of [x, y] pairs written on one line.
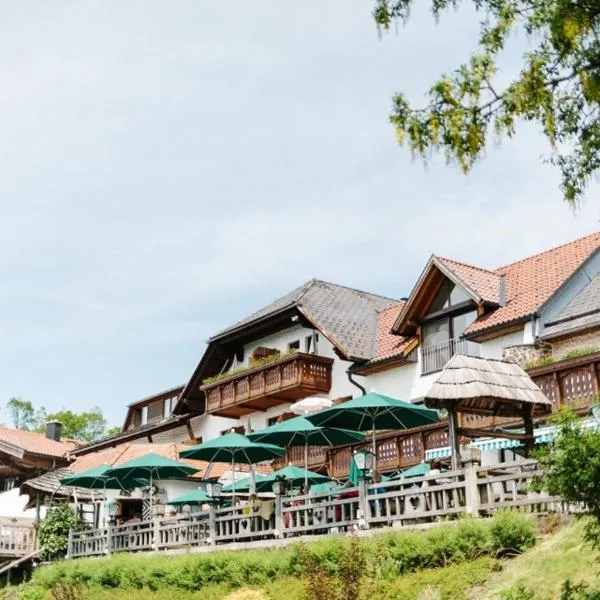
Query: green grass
[[543, 569]]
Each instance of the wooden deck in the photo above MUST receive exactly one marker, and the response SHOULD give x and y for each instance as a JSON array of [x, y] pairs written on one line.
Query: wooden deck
[[288, 379], [478, 491]]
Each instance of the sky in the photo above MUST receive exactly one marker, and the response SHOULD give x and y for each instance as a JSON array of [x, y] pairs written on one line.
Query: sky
[[168, 167]]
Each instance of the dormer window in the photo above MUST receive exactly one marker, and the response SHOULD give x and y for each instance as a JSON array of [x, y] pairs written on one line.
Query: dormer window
[[443, 327]]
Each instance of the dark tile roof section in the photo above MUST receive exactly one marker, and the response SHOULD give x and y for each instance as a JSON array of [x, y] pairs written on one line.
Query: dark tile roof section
[[582, 312], [348, 317]]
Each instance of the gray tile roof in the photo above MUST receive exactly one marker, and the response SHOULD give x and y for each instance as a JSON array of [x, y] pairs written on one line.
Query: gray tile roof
[[582, 312], [346, 315]]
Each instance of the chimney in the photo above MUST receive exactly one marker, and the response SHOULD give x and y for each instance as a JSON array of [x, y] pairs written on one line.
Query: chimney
[[502, 291], [53, 430]]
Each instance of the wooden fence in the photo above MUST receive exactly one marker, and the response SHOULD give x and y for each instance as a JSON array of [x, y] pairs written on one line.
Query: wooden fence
[[473, 490]]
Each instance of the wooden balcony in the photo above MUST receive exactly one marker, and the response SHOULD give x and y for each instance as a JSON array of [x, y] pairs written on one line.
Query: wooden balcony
[[317, 458], [291, 378]]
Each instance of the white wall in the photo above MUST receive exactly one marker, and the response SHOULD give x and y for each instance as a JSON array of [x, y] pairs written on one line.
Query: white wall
[[405, 382], [494, 348]]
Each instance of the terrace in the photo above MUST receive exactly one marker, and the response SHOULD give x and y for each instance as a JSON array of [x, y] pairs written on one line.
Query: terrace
[[474, 490]]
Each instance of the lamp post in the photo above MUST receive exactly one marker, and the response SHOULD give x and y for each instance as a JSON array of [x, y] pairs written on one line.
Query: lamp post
[[213, 489], [364, 460]]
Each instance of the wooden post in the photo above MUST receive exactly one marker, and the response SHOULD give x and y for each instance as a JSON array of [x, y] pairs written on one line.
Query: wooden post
[[279, 524], [363, 502], [471, 488], [212, 525], [528, 423], [453, 438], [108, 546], [70, 543], [156, 533]]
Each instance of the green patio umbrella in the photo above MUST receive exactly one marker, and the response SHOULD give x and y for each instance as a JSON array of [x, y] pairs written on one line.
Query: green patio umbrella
[[151, 467], [97, 479], [243, 485], [416, 471], [297, 476], [299, 431], [372, 412], [323, 488], [233, 447], [195, 497]]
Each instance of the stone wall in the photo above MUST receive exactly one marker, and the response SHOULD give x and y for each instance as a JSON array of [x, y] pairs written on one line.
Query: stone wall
[[585, 340], [525, 353]]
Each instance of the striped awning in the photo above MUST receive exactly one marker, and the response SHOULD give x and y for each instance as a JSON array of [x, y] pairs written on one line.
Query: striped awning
[[543, 435]]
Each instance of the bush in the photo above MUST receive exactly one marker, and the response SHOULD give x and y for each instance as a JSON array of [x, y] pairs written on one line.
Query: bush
[[53, 533], [511, 532], [384, 556]]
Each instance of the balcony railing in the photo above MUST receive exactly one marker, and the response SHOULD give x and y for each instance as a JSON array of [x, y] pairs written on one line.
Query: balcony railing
[[435, 357], [396, 450], [291, 378]]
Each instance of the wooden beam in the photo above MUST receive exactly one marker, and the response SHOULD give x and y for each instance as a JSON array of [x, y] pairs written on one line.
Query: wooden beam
[[528, 423], [509, 435], [190, 430], [453, 438]]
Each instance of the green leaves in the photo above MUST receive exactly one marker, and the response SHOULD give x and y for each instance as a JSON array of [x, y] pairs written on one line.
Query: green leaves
[[53, 533], [558, 87]]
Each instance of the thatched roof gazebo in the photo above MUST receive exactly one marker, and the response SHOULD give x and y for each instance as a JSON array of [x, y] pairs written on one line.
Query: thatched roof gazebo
[[487, 387]]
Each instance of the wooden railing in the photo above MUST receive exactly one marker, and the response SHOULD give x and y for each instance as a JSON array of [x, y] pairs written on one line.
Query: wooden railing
[[292, 377], [396, 450], [317, 457], [16, 539], [472, 490], [435, 357]]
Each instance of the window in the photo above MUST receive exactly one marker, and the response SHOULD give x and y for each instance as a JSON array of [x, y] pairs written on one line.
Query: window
[[144, 415], [310, 343], [444, 325], [272, 421], [294, 346], [10, 483], [448, 295], [166, 407]]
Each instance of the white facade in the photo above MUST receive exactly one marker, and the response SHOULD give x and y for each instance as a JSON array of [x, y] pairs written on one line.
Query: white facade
[[405, 382]]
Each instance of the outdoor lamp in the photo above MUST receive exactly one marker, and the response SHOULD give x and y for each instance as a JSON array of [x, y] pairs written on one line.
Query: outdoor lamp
[[279, 487], [112, 508], [213, 488], [365, 459]]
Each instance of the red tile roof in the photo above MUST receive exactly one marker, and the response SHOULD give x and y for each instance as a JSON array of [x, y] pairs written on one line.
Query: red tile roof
[[35, 443], [129, 451], [387, 344], [532, 281], [486, 284]]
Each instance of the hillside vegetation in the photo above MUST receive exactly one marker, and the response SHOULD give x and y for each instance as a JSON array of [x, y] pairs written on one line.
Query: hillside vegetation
[[493, 559]]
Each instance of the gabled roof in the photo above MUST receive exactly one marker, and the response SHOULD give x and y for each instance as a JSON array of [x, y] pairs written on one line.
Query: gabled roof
[[528, 284], [480, 285], [485, 284], [582, 312], [531, 282], [31, 442], [346, 316]]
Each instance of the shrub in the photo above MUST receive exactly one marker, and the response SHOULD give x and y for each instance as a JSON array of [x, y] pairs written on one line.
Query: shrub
[[512, 532], [332, 560], [53, 533]]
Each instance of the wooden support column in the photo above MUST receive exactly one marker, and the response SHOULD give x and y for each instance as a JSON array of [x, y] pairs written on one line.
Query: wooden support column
[[453, 438], [528, 424]]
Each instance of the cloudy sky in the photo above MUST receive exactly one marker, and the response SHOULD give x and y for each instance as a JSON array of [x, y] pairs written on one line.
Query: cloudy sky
[[167, 167]]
